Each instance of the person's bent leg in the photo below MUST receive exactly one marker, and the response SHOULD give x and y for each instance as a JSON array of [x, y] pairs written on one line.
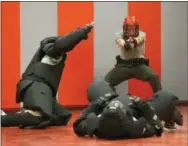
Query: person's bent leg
[[145, 73], [38, 97], [117, 75]]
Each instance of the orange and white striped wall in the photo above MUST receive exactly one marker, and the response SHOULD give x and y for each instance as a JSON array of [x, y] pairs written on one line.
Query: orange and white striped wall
[[24, 24]]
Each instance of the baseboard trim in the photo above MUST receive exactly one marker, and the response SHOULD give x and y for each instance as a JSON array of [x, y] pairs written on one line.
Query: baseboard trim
[[182, 103], [80, 107], [69, 107]]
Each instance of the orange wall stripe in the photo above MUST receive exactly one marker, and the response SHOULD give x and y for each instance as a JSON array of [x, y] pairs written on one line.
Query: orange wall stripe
[[149, 14], [78, 71], [10, 53]]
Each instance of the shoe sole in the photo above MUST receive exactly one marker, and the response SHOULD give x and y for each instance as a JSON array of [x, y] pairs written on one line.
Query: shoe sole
[[167, 129]]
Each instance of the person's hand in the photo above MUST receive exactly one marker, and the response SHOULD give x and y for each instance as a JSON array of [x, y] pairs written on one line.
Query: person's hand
[[132, 45], [88, 28], [120, 42], [133, 42], [90, 25]]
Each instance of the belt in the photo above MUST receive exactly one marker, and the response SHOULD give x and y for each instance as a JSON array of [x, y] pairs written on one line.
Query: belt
[[133, 62]]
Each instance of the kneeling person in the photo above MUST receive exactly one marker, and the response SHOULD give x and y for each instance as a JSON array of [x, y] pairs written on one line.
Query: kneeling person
[[39, 84]]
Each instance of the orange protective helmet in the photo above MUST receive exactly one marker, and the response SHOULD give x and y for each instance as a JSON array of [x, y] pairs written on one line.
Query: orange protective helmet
[[130, 27]]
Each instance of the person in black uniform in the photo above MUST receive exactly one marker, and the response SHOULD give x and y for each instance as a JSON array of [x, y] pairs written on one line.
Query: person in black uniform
[[111, 116], [39, 83]]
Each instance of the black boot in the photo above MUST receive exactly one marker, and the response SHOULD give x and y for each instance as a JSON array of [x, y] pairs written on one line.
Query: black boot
[[19, 119]]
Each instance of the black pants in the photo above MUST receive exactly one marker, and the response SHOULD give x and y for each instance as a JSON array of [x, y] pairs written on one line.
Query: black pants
[[38, 97]]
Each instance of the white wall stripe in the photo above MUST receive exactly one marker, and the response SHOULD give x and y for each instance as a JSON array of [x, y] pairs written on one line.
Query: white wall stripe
[[38, 20], [0, 57], [108, 17], [174, 27]]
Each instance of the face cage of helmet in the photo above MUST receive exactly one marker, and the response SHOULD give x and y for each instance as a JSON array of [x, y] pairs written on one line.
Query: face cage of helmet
[[130, 31]]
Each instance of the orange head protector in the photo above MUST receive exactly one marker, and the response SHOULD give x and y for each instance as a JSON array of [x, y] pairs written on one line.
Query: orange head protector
[[130, 27]]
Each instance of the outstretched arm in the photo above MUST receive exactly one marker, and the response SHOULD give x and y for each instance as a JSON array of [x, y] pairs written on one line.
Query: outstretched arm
[[66, 43], [130, 43]]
